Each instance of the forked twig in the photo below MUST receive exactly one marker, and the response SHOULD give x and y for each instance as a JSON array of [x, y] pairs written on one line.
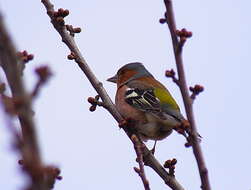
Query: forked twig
[[140, 170]]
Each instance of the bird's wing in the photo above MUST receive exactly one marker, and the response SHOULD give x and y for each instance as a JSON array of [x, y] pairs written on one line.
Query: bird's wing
[[145, 99]]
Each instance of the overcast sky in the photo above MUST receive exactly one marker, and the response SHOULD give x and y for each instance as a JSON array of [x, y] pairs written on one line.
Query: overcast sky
[[88, 147]]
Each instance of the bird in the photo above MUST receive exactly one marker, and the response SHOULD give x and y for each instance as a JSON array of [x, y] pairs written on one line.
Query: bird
[[146, 101]]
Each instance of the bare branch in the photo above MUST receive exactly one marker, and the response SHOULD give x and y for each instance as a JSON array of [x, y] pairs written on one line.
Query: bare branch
[[140, 170], [67, 38], [177, 47], [21, 104]]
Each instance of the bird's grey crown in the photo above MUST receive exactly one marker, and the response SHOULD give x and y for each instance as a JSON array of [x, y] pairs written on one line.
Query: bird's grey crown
[[137, 66]]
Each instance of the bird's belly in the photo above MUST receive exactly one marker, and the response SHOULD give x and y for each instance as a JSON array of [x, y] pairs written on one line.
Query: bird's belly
[[157, 129]]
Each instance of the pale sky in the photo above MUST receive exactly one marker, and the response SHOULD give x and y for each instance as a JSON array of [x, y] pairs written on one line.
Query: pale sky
[[90, 150]]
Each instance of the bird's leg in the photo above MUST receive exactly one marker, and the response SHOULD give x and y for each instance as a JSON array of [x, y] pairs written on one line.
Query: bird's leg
[[153, 149]]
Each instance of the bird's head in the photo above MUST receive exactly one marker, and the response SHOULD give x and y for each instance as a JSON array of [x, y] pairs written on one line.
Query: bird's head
[[129, 72]]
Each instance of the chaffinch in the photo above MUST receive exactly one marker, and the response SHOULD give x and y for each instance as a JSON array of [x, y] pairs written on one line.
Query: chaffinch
[[146, 101]]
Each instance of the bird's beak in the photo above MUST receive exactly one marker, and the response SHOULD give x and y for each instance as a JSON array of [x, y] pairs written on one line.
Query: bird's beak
[[113, 79]]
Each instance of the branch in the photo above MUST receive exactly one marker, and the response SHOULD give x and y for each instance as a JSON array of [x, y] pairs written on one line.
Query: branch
[[177, 48], [67, 37], [140, 170], [20, 102]]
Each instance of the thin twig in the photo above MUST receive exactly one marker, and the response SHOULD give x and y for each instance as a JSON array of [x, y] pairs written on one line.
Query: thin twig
[[68, 39], [186, 98], [43, 73], [140, 170], [196, 90]]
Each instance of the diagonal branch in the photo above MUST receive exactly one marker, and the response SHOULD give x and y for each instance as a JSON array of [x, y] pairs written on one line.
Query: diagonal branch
[[68, 39], [177, 48]]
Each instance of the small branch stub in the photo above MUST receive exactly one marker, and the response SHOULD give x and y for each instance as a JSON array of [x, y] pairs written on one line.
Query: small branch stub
[[43, 73], [196, 90], [183, 34], [95, 102], [71, 56], [162, 21], [59, 15], [73, 30], [171, 74], [24, 56], [170, 164], [51, 174]]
